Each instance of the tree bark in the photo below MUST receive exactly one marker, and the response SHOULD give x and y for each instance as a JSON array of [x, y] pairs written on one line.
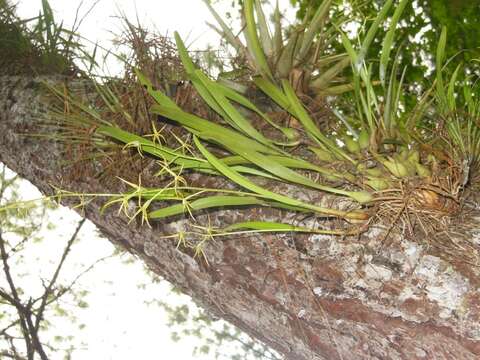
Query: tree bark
[[308, 297]]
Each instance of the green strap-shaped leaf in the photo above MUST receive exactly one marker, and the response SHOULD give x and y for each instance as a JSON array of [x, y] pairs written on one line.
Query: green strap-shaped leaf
[[451, 89], [241, 123], [247, 184], [190, 68], [289, 162], [388, 40], [242, 100], [440, 58], [269, 164], [207, 202], [253, 171], [157, 150], [157, 95], [273, 92], [202, 126], [391, 99], [347, 44], [312, 130]]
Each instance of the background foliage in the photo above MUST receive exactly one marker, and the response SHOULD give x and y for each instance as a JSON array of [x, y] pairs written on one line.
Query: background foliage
[[419, 30]]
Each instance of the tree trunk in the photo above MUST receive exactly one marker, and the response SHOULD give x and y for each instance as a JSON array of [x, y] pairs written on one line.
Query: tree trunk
[[308, 297]]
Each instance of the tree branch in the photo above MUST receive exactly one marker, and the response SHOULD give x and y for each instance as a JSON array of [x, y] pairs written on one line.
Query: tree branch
[[15, 300], [48, 290], [406, 300]]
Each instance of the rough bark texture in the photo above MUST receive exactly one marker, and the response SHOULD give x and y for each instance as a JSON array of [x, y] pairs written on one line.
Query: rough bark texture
[[309, 297]]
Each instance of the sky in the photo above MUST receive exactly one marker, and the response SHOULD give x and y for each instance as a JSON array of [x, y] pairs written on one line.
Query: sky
[[188, 17], [119, 324]]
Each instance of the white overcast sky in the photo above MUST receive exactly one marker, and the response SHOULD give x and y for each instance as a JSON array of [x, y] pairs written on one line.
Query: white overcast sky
[[188, 17], [122, 327]]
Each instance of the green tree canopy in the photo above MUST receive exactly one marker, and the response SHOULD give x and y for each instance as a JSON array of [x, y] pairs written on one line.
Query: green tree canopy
[[419, 30]]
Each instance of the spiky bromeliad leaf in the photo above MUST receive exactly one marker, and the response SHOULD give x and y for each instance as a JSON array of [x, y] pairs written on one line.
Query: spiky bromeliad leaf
[[273, 58], [313, 29], [277, 35], [322, 81], [225, 29], [263, 30], [253, 41]]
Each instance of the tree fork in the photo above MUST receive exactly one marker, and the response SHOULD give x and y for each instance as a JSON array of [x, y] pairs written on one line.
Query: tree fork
[[306, 296]]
